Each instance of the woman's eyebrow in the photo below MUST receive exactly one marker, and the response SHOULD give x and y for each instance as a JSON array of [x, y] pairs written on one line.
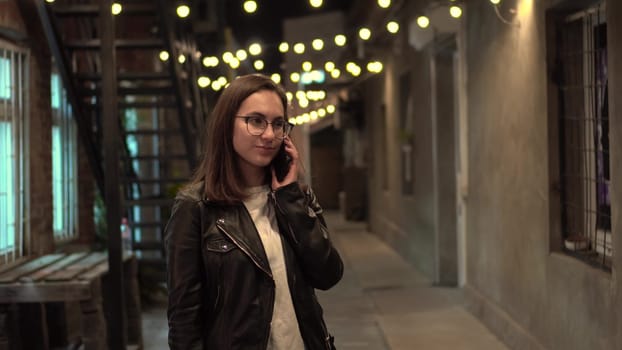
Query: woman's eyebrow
[[259, 114]]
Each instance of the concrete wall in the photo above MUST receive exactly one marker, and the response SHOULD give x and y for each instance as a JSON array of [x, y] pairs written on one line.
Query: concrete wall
[[531, 296], [418, 222]]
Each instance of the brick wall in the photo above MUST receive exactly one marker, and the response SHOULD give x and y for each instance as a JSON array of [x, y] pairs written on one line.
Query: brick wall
[[20, 25]]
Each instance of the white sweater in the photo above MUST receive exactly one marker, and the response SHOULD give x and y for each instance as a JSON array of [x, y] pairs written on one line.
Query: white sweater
[[284, 331]]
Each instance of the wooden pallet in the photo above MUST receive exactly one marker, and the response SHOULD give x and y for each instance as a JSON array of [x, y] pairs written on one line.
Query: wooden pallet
[[75, 277]]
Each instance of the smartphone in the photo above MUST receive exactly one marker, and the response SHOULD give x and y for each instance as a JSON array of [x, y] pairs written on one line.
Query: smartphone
[[281, 162]]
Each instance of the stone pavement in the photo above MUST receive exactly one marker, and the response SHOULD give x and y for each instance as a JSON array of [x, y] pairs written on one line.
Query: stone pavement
[[382, 303]]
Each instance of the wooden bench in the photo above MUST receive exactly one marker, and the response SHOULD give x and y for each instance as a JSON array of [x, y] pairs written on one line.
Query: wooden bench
[[76, 277]]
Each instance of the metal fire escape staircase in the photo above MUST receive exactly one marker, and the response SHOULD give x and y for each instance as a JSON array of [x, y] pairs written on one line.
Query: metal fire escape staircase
[[158, 103]]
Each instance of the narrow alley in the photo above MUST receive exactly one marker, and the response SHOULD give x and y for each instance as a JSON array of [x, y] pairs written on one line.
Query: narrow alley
[[382, 303]]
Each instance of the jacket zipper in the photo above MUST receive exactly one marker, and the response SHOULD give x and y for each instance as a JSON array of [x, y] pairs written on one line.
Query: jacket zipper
[[231, 237], [291, 232], [289, 227]]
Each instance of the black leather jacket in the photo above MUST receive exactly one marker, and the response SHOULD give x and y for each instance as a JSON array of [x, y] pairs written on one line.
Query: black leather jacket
[[221, 289]]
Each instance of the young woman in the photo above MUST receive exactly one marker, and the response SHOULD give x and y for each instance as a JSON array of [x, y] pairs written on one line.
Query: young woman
[[247, 249]]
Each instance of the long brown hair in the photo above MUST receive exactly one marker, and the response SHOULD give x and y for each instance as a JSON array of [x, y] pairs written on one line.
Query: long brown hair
[[218, 171]]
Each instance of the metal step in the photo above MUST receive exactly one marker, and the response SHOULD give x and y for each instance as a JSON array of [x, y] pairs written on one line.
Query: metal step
[[147, 224], [153, 202], [148, 245], [156, 132], [139, 90], [83, 10], [155, 180], [95, 44], [132, 76], [137, 105], [156, 157]]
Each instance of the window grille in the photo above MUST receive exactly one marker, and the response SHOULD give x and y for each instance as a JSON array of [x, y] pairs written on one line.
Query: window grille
[[64, 164], [584, 135], [12, 151]]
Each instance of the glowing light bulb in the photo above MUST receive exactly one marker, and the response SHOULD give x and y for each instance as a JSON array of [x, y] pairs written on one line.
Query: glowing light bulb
[[455, 11], [204, 81], [283, 47], [241, 55], [116, 8], [384, 3], [259, 65], [294, 77], [299, 48], [365, 33], [340, 39], [276, 77], [254, 49], [183, 11], [315, 3], [423, 21], [318, 44], [164, 56], [393, 27], [250, 6]]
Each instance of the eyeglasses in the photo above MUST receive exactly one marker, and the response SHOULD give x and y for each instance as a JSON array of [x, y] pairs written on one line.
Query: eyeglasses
[[256, 125]]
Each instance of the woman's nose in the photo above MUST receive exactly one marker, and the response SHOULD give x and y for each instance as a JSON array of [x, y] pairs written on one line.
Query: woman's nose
[[268, 133]]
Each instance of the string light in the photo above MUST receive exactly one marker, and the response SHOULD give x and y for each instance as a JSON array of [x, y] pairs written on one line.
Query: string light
[[315, 3], [340, 40], [317, 44], [393, 27], [384, 3], [455, 11], [227, 56], [250, 6], [164, 56], [299, 48], [258, 64], [276, 77], [364, 33], [241, 55], [495, 2], [183, 11], [283, 47], [423, 21], [254, 49], [116, 8], [204, 81]]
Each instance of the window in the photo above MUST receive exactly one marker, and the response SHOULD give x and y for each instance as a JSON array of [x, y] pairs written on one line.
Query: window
[[12, 151], [582, 113], [64, 164]]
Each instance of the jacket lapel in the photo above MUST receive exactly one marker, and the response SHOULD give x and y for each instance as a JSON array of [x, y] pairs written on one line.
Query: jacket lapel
[[239, 227]]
